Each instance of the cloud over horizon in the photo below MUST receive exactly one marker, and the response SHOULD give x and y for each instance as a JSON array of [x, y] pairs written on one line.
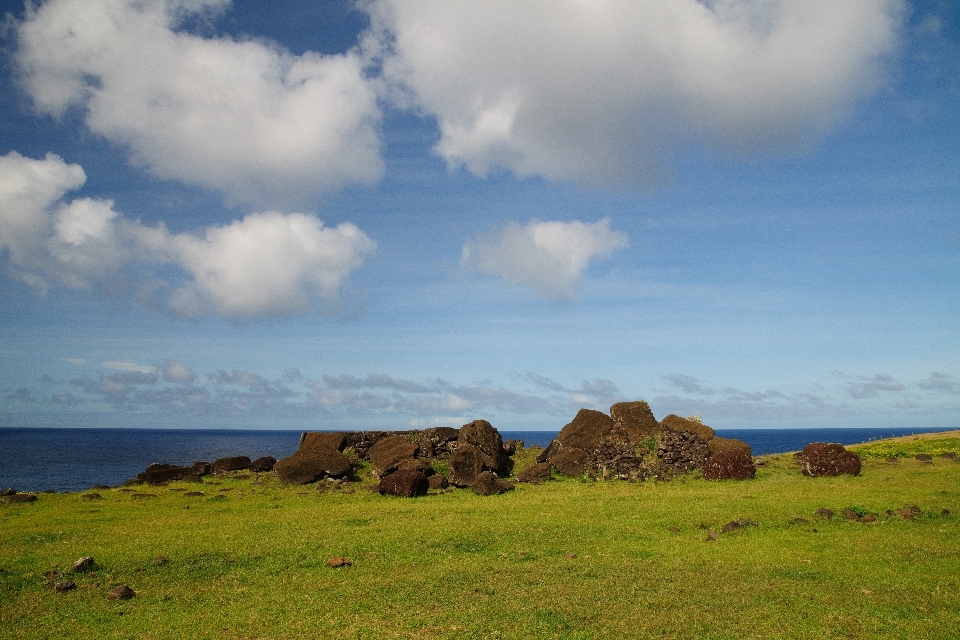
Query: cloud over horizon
[[265, 265], [602, 92]]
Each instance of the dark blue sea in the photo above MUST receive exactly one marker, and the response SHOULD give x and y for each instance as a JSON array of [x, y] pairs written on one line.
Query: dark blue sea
[[77, 459]]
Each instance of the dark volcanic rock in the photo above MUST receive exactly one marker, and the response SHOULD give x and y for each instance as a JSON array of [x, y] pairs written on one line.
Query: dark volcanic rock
[[121, 592], [338, 562], [550, 451], [823, 512], [158, 473], [465, 464], [85, 563], [387, 454], [233, 463], [487, 440], [416, 464], [730, 464], [310, 465], [488, 484], [676, 423], [539, 472], [322, 440], [570, 461], [438, 481], [406, 482], [264, 464], [828, 459], [66, 585], [635, 420], [924, 457], [587, 431], [683, 450]]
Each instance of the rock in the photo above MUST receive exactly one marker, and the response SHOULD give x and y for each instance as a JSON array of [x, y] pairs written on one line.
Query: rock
[[405, 482], [950, 455], [465, 464], [850, 514], [20, 498], [731, 526], [944, 512], [823, 512], [310, 465], [66, 585], [828, 459], [488, 484], [84, 564], [635, 420], [91, 496], [676, 423], [323, 440], [551, 450], [570, 461], [387, 454], [539, 472], [510, 446], [201, 468], [487, 440], [264, 464], [120, 592], [234, 463], [924, 457], [729, 464], [587, 431], [717, 444], [158, 473], [438, 481], [337, 562], [416, 464], [868, 518], [8, 492], [683, 450]]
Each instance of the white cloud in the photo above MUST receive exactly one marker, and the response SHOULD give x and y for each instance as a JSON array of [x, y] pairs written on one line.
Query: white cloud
[[177, 372], [132, 367], [265, 265], [598, 92], [550, 257], [242, 117]]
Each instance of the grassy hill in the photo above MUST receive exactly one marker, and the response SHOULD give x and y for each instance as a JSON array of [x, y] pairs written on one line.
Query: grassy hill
[[572, 558]]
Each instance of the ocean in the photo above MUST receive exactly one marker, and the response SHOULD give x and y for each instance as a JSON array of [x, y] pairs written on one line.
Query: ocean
[[77, 459]]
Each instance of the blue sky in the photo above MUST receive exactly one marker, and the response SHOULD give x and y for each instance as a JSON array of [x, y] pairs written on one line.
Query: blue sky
[[401, 214]]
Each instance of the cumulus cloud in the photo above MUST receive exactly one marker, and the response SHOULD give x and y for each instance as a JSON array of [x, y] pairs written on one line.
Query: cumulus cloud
[[265, 265], [942, 382], [599, 92], [245, 118], [861, 387], [549, 257]]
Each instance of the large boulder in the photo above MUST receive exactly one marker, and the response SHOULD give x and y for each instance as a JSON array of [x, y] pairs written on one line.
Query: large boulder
[[680, 425], [828, 459], [488, 484], [570, 461], [587, 431], [264, 464], [312, 464], [487, 440], [233, 463], [635, 420], [465, 464], [388, 454], [322, 440], [406, 482], [537, 473], [718, 444], [729, 464]]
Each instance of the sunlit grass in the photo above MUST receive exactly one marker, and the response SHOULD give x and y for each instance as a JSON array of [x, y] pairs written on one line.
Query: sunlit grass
[[566, 559]]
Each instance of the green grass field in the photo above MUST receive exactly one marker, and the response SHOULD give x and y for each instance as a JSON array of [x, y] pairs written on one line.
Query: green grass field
[[566, 559]]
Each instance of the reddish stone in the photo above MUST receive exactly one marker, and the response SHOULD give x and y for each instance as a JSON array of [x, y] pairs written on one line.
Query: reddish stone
[[730, 464]]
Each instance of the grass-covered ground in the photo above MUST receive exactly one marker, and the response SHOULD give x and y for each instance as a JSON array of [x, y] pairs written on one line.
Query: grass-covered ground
[[566, 559]]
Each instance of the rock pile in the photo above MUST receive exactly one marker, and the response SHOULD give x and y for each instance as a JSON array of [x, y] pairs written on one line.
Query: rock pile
[[631, 444]]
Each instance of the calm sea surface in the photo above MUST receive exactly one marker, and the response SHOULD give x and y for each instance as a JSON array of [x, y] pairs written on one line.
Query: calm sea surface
[[77, 459]]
